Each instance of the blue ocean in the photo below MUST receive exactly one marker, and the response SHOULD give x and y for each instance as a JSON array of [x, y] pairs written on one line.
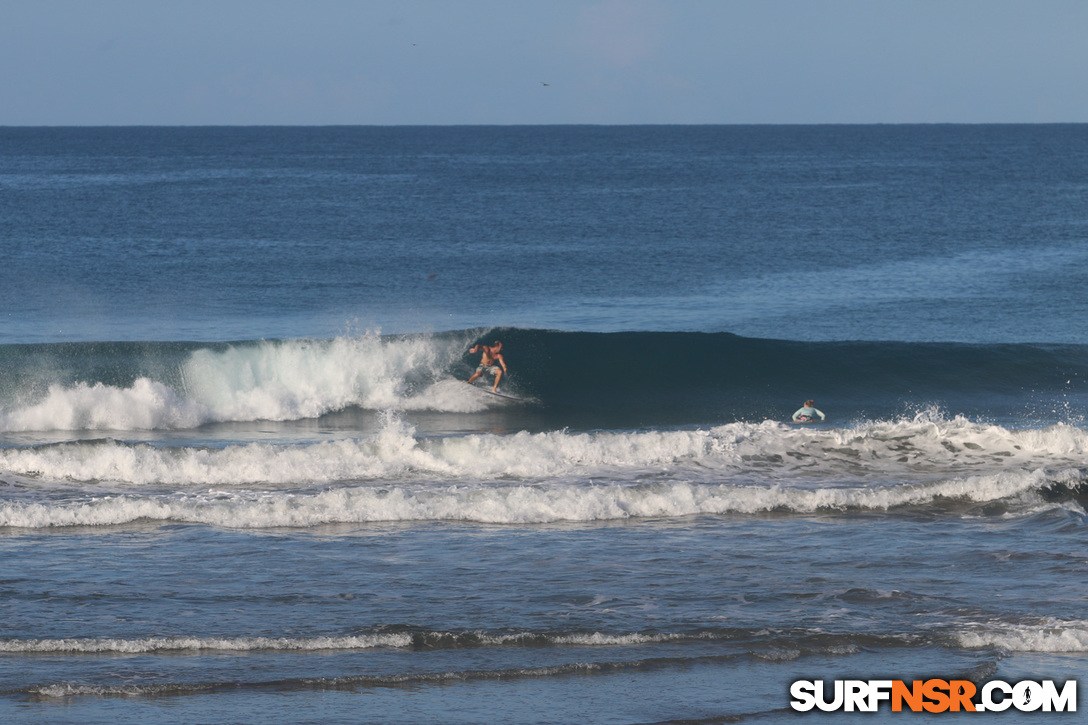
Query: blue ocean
[[243, 479]]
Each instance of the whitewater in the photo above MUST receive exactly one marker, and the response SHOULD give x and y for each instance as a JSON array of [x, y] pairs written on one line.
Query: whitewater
[[284, 380]]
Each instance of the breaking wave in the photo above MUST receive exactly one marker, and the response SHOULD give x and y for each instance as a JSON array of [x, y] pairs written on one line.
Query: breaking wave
[[623, 379], [529, 478]]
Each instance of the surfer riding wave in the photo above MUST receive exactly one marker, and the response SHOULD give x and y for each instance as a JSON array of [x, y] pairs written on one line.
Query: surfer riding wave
[[490, 361]]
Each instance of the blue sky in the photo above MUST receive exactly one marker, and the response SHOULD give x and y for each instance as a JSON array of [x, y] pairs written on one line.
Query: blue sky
[[391, 62]]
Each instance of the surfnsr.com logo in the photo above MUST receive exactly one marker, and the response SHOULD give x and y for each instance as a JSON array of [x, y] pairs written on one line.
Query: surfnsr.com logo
[[934, 696]]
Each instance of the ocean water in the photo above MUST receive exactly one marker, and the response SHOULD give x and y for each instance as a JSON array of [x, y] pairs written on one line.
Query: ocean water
[[242, 478]]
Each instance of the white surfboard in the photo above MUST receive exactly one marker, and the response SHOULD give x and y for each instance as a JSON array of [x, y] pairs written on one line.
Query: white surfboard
[[489, 391]]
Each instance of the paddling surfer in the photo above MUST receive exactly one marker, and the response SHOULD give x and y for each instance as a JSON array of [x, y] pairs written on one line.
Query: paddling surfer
[[808, 413], [490, 361]]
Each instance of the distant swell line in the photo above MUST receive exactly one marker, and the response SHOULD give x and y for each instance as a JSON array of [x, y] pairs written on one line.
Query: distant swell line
[[352, 682], [767, 646], [65, 690], [438, 640], [97, 645], [405, 640], [1044, 636]]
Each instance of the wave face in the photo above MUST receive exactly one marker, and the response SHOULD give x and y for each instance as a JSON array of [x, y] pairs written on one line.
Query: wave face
[[571, 379]]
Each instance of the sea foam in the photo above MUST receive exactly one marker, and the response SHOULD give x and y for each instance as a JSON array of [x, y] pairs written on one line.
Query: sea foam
[[268, 380], [494, 503], [525, 477], [1051, 636], [913, 450]]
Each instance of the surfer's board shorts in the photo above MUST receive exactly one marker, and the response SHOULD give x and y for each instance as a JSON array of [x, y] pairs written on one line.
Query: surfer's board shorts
[[804, 419], [492, 369]]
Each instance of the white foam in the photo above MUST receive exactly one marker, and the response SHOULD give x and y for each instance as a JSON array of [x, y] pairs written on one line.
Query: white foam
[[145, 405], [400, 640], [758, 451], [306, 379], [289, 380], [538, 477], [494, 503], [1053, 637], [100, 645]]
